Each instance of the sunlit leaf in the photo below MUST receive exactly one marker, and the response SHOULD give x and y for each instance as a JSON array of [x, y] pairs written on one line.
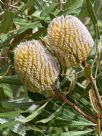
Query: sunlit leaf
[[35, 113]]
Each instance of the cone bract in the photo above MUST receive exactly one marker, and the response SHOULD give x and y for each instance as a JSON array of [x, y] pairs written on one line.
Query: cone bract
[[70, 40], [36, 66]]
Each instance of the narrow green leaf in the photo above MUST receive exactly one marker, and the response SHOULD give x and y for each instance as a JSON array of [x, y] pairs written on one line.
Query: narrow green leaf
[[10, 114], [17, 104], [10, 80], [7, 90], [82, 123], [4, 69], [59, 122], [50, 117], [91, 11], [48, 9], [28, 25], [28, 4], [7, 21], [93, 17], [35, 113], [8, 124], [73, 133], [72, 6], [38, 34]]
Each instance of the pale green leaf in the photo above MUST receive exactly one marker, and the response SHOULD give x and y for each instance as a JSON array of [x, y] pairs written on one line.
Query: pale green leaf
[[73, 133], [35, 113], [10, 114], [50, 117], [8, 124]]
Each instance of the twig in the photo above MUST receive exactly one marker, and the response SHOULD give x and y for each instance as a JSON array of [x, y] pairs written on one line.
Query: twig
[[12, 6], [62, 2], [17, 2], [93, 81], [73, 106], [7, 3], [99, 126]]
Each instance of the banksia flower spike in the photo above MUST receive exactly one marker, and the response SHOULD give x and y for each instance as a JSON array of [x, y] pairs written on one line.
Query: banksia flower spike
[[70, 40], [36, 66]]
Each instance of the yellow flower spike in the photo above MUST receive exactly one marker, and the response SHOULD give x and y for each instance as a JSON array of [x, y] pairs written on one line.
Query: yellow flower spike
[[36, 66], [70, 40]]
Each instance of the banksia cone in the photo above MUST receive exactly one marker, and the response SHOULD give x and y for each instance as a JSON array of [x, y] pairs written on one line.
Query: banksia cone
[[36, 66], [70, 40]]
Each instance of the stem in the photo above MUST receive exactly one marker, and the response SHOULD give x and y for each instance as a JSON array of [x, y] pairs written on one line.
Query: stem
[[93, 81], [73, 106], [99, 126]]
